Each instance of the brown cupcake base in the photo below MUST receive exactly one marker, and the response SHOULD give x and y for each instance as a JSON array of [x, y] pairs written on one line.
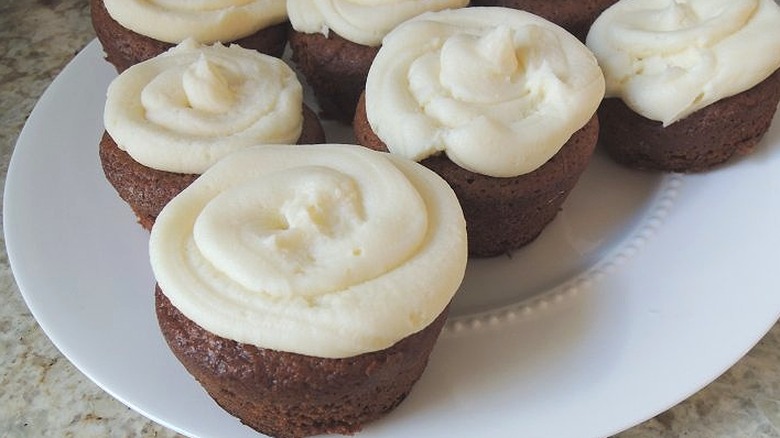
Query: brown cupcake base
[[574, 16], [707, 138], [125, 48], [504, 214], [335, 68], [148, 190], [287, 395]]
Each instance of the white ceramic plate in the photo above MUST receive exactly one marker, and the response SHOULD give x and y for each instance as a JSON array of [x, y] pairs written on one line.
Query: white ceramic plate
[[643, 290]]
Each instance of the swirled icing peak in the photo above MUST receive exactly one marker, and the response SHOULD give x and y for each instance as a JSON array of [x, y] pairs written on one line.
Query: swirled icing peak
[[363, 22], [185, 109], [206, 21], [669, 58], [498, 90], [206, 88], [324, 250]]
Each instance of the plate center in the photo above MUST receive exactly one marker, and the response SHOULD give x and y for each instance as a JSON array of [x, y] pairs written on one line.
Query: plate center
[[604, 210]]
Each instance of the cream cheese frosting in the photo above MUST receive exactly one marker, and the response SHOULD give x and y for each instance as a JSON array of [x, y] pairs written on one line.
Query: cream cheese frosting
[[324, 250], [669, 58], [185, 109], [363, 22], [498, 90], [206, 21]]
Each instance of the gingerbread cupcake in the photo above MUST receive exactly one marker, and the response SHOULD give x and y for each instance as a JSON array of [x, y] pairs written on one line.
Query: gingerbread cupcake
[[305, 286], [690, 85], [333, 44], [500, 102], [132, 31], [170, 118], [576, 16]]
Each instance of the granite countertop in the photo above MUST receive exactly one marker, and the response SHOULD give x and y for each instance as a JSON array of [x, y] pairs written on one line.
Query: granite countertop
[[43, 395]]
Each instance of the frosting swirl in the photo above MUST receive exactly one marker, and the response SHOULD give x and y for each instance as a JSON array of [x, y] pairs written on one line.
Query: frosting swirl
[[669, 58], [187, 108], [326, 250], [498, 90], [363, 22], [207, 21]]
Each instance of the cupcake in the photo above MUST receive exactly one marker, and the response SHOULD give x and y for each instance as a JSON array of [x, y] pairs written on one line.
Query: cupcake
[[576, 16], [132, 31], [690, 85], [170, 118], [305, 286], [333, 44], [499, 102]]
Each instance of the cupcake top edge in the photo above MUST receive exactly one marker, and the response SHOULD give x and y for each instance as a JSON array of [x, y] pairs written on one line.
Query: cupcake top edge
[[669, 58], [363, 22], [183, 110], [207, 21], [498, 90], [324, 250]]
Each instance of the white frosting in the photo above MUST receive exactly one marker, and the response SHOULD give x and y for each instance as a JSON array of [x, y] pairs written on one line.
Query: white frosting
[[187, 108], [363, 22], [207, 21], [498, 90], [325, 250], [669, 58]]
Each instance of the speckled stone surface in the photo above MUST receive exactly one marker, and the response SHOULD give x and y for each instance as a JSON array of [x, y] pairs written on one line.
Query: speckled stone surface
[[43, 395]]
